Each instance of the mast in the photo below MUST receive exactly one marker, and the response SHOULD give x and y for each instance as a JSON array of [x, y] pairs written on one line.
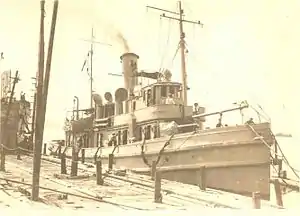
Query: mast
[[181, 20], [90, 67]]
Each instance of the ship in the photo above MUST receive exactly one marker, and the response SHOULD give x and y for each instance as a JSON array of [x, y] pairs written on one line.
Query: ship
[[15, 115], [140, 126]]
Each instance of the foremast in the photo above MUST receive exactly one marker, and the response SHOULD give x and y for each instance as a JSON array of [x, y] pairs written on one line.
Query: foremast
[[181, 20]]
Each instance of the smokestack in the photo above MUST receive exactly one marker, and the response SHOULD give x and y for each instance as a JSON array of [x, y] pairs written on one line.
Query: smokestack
[[130, 66]]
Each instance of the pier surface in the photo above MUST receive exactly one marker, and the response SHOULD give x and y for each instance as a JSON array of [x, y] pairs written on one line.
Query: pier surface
[[121, 190]]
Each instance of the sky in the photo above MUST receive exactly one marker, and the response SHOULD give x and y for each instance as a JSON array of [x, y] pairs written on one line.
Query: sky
[[246, 50]]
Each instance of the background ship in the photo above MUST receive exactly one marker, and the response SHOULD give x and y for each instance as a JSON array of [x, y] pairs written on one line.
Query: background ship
[[15, 113]]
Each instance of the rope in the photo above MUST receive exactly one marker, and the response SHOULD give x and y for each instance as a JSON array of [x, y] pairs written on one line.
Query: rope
[[159, 153], [143, 154], [16, 149], [283, 156], [286, 160], [175, 54], [167, 143], [262, 139], [163, 149]]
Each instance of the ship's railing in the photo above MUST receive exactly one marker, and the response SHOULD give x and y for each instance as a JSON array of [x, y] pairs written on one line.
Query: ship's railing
[[221, 112]]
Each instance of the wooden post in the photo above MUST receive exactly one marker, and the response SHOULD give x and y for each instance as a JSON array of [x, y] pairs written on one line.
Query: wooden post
[[283, 174], [202, 174], [99, 172], [157, 190], [63, 166], [74, 168], [82, 155], [153, 170], [278, 193], [2, 165], [18, 154], [42, 94], [96, 155], [74, 165], [59, 151], [39, 124], [110, 161], [256, 200], [279, 163], [45, 149]]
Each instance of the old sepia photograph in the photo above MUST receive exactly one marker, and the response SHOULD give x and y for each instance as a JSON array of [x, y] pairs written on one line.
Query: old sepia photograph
[[149, 105]]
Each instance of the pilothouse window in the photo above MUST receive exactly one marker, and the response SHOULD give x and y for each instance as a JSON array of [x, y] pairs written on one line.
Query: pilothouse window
[[172, 90], [119, 138], [148, 132], [124, 137]]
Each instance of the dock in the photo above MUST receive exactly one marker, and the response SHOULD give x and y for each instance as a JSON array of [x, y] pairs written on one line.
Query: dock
[[121, 189]]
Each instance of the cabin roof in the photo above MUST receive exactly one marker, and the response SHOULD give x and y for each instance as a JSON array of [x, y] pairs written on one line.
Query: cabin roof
[[161, 84]]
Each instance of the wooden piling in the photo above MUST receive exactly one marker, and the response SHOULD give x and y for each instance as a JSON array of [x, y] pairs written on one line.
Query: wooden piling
[[153, 170], [279, 163], [45, 149], [256, 200], [18, 154], [99, 172], [110, 161], [74, 164], [39, 124], [63, 166], [283, 174], [278, 193], [157, 190], [2, 165], [202, 178], [59, 151], [82, 156]]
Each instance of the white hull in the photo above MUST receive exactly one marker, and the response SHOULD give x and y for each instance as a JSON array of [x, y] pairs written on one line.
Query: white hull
[[235, 159]]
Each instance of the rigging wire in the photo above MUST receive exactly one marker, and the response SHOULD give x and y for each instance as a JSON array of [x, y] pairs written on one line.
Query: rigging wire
[[282, 154], [175, 54], [288, 163], [165, 49], [294, 170], [159, 36]]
